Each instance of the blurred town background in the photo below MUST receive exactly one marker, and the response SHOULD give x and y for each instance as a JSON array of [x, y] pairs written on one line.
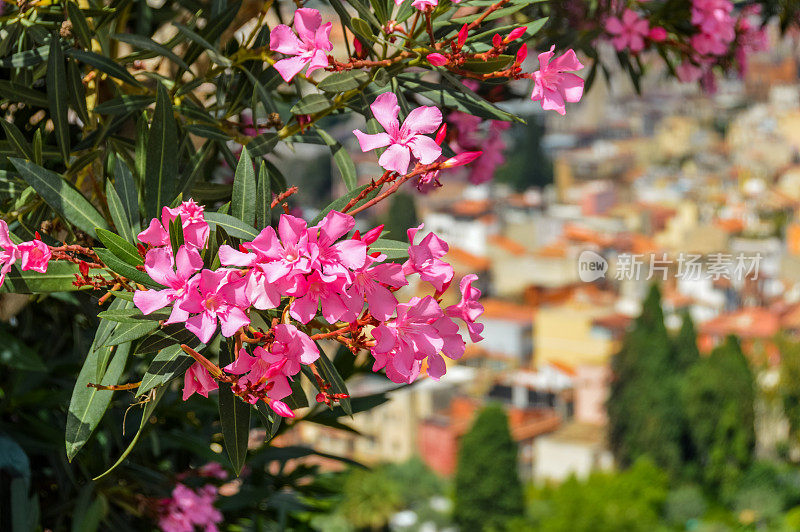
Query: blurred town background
[[643, 402]]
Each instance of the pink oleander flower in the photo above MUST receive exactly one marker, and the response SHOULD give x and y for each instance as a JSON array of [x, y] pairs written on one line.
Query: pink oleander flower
[[259, 291], [213, 470], [553, 84], [629, 32], [453, 347], [177, 274], [292, 346], [34, 255], [287, 258], [264, 372], [688, 72], [197, 379], [425, 259], [416, 334], [309, 46], [281, 408], [402, 141], [318, 290], [421, 4], [220, 295], [469, 308], [332, 256], [187, 508], [8, 251], [195, 228], [370, 282]]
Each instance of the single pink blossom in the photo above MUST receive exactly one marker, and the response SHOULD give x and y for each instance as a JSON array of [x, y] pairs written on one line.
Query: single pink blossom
[[213, 470], [8, 251], [402, 141], [285, 258], [197, 379], [195, 228], [469, 308], [553, 84], [176, 274], [425, 259], [629, 32], [291, 345], [309, 46], [332, 255], [220, 295], [264, 372], [34, 255], [370, 282]]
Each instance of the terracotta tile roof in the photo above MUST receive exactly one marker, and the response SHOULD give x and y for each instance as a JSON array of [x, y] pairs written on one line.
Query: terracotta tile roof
[[468, 259], [563, 367], [730, 225], [512, 246], [505, 310], [470, 207], [751, 322], [613, 322]]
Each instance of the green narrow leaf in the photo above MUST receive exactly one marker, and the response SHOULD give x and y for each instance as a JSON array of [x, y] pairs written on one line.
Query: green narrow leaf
[[104, 64], [213, 53], [61, 196], [123, 104], [310, 104], [331, 375], [392, 248], [144, 43], [233, 226], [244, 187], [21, 93], [120, 247], [161, 168], [263, 198], [17, 140], [343, 81], [57, 95], [131, 315], [169, 363], [344, 162], [77, 92], [103, 332], [140, 156], [149, 408], [79, 25], [262, 144], [37, 147], [234, 416], [126, 190], [173, 334], [88, 405], [118, 214], [176, 235], [59, 278], [124, 269], [127, 332]]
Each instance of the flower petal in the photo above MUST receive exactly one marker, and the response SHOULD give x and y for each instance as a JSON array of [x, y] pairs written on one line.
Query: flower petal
[[385, 110], [425, 149], [370, 142], [396, 158], [282, 39], [423, 119], [288, 68]]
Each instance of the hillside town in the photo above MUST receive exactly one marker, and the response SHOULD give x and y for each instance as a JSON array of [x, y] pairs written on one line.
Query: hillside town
[[697, 192]]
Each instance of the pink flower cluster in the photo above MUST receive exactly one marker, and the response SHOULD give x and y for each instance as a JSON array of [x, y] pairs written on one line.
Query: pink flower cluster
[[631, 31], [321, 272], [33, 255], [188, 508], [421, 330], [470, 136]]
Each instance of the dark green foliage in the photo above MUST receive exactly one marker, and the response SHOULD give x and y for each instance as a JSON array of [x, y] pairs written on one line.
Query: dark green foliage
[[719, 393], [527, 165], [631, 500], [488, 492], [402, 216], [789, 386], [644, 416], [685, 344]]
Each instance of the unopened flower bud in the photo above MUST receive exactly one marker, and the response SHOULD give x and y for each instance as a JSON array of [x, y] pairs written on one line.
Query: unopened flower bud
[[522, 53], [497, 40], [462, 36], [281, 408], [461, 159], [437, 59], [440, 135], [515, 34], [657, 34]]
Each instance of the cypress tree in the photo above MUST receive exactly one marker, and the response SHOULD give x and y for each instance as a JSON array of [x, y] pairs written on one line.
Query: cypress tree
[[645, 419], [719, 395], [686, 352], [488, 491]]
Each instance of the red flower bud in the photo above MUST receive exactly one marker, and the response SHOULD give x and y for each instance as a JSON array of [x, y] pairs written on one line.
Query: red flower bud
[[437, 59], [281, 408], [358, 47], [440, 135], [462, 36], [83, 267], [497, 40], [657, 34], [461, 159], [516, 33], [320, 398], [522, 53]]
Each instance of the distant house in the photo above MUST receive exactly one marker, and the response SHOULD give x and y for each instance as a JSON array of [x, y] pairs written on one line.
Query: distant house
[[573, 449]]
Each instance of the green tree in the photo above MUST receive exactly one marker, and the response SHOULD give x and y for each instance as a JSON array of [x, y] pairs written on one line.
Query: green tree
[[719, 393], [529, 166], [789, 386], [630, 500], [369, 499], [644, 417], [488, 491], [685, 344]]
